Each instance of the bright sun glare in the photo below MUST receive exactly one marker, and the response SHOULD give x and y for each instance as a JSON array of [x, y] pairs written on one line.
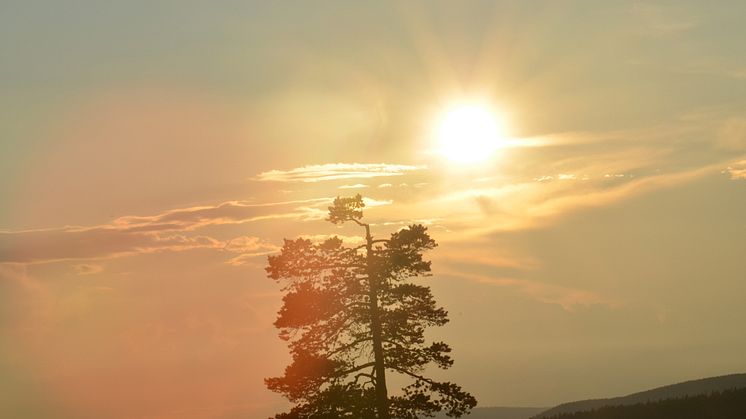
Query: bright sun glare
[[469, 132]]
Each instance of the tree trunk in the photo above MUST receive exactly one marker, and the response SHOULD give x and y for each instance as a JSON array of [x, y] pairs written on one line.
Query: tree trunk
[[382, 400]]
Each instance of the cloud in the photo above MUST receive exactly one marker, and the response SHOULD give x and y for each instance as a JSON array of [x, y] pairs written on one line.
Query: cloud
[[231, 212], [167, 231], [87, 269], [560, 176], [355, 186], [568, 298], [248, 248], [246, 244], [535, 186], [370, 202], [171, 230], [563, 200], [732, 134], [512, 270], [616, 175], [737, 170], [39, 246], [473, 212], [545, 178], [663, 20], [336, 171]]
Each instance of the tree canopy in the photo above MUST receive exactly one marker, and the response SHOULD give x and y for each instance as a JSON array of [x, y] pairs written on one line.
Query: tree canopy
[[352, 316]]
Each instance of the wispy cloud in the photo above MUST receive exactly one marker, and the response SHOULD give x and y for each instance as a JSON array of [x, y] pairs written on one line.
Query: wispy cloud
[[171, 230], [536, 186], [570, 299], [533, 205], [248, 248], [231, 212], [661, 20], [561, 176], [248, 244], [737, 170], [87, 269], [39, 246], [370, 202], [168, 231], [336, 171]]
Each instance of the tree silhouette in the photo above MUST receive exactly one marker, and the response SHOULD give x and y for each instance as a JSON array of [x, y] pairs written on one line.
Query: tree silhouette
[[351, 316]]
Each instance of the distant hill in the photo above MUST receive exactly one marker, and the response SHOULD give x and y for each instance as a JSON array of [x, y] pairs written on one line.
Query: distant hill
[[501, 413], [687, 388], [729, 404]]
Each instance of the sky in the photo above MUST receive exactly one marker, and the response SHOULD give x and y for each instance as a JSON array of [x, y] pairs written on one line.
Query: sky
[[152, 154]]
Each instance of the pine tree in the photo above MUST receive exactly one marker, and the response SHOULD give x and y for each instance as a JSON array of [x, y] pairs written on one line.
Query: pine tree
[[352, 315]]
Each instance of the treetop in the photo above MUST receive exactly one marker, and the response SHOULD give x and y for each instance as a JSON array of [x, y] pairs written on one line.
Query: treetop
[[346, 209]]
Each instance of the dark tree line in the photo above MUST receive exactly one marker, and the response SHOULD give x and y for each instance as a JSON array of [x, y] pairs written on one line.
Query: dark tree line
[[730, 404]]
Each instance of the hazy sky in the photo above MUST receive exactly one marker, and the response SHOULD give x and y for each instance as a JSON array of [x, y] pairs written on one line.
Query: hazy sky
[[153, 153]]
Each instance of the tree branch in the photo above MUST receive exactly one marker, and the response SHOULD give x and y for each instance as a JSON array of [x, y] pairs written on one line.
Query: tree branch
[[411, 374], [359, 223], [362, 246], [348, 346], [371, 378], [357, 368]]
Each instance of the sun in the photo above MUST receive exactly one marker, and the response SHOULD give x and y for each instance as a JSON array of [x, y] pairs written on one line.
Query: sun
[[469, 132]]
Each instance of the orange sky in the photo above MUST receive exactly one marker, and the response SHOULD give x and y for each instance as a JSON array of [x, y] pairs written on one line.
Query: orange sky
[[152, 155]]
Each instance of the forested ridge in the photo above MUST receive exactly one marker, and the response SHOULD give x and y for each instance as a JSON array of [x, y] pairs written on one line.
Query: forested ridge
[[728, 404]]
